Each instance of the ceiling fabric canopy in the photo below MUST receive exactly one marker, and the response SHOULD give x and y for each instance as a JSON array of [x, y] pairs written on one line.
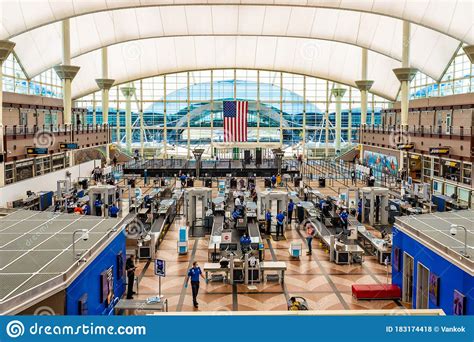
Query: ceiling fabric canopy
[[453, 17], [431, 51], [319, 58]]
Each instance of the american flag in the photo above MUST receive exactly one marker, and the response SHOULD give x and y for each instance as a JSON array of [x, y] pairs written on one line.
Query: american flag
[[235, 121]]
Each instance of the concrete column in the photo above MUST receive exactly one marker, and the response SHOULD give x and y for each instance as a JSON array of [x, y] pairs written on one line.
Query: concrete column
[[326, 126], [94, 111], [142, 124], [105, 84], [338, 94], [405, 74], [349, 126], [364, 86], [128, 92], [303, 138], [165, 123], [6, 47], [212, 113], [66, 72]]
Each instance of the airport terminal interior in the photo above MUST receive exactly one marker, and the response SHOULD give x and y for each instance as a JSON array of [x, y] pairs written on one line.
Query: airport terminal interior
[[230, 156]]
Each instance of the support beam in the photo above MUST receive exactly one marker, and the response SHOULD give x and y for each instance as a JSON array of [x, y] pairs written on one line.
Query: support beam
[[128, 92], [142, 124], [338, 94], [364, 86], [165, 123], [105, 84], [405, 74], [6, 47], [66, 72]]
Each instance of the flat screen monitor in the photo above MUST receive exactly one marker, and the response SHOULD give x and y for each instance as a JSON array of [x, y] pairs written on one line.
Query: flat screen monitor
[[144, 252]]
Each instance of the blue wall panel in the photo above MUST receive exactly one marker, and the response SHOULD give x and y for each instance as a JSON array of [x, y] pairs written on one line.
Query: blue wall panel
[[89, 280], [450, 276]]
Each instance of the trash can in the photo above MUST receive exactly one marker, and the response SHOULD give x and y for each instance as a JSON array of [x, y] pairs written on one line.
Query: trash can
[[268, 183], [189, 182], [233, 183], [322, 182], [208, 183]]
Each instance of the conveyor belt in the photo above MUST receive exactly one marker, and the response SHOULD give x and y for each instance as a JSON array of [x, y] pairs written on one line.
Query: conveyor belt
[[218, 225], [157, 226], [253, 230]]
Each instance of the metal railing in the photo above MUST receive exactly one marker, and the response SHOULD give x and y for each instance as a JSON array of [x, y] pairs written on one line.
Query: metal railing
[[421, 130], [18, 131]]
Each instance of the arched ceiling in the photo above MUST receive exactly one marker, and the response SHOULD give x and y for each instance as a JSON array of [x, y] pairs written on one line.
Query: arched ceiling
[[450, 17], [430, 51], [316, 38], [318, 58]]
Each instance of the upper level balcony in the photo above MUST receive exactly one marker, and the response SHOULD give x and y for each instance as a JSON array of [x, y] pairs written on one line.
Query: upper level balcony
[[441, 131], [18, 138]]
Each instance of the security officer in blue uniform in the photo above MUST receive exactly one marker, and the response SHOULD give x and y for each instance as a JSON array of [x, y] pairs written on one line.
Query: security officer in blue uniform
[[114, 210], [245, 242], [268, 219], [183, 180], [194, 273], [291, 207], [344, 216], [280, 218], [98, 206]]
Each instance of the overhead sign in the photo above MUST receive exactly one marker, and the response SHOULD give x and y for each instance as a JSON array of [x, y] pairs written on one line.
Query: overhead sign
[[160, 268], [405, 146], [68, 146], [33, 151], [439, 150]]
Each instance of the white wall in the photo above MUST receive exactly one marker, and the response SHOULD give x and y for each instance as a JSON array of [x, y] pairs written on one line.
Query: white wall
[[47, 182]]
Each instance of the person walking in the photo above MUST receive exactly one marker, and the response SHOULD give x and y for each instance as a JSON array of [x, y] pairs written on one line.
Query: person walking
[[353, 177], [344, 216], [305, 192], [130, 269], [309, 236], [194, 273], [291, 207]]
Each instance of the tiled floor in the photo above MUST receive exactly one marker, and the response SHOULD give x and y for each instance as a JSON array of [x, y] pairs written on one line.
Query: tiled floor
[[324, 284]]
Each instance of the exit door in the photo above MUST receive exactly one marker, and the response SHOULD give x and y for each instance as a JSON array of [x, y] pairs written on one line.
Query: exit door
[[422, 287], [408, 272]]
